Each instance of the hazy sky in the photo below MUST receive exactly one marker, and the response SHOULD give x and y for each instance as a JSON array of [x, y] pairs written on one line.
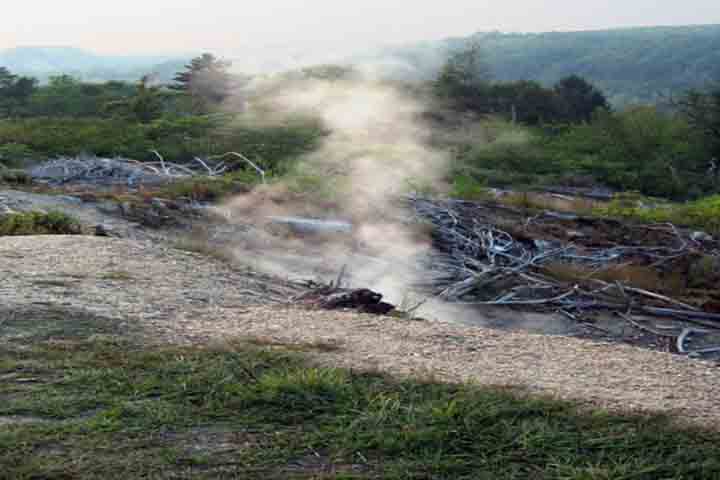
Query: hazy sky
[[163, 26]]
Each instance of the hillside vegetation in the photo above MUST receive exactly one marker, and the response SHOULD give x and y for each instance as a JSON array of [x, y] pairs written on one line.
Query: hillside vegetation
[[631, 65]]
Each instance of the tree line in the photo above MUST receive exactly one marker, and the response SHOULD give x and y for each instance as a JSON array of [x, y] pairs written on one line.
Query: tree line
[[569, 128]]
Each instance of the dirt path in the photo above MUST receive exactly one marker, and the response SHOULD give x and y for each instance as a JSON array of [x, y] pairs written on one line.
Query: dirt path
[[179, 297]]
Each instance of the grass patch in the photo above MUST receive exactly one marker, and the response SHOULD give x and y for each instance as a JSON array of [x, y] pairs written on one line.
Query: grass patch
[[39, 223], [702, 214], [206, 189], [314, 346], [112, 409]]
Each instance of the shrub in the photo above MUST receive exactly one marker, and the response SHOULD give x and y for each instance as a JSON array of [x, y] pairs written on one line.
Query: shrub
[[703, 213], [39, 223], [179, 139], [14, 154], [15, 177]]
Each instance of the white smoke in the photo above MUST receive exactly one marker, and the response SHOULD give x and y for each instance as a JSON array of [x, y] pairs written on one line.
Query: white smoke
[[376, 149]]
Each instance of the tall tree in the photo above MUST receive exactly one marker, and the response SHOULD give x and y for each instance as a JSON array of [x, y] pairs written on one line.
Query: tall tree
[[206, 80], [464, 78], [14, 91], [580, 98], [145, 105], [702, 110]]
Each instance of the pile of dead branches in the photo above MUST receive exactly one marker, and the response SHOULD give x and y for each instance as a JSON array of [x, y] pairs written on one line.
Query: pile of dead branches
[[478, 262], [124, 171]]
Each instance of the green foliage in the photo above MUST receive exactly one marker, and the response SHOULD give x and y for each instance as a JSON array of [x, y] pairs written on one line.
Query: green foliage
[[467, 187], [641, 148], [203, 189], [14, 92], [464, 79], [703, 214], [702, 109], [179, 139], [15, 177], [206, 81], [146, 105], [637, 149], [464, 85], [14, 154], [37, 223], [65, 96], [632, 65], [580, 99], [248, 413]]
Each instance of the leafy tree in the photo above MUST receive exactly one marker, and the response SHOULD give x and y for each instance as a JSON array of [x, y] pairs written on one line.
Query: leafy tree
[[464, 79], [580, 99], [637, 149], [146, 105], [14, 91], [702, 109], [206, 80], [526, 102]]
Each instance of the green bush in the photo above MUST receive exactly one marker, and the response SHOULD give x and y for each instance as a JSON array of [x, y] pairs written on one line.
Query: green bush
[[39, 223], [179, 139], [15, 177], [203, 189], [467, 187], [14, 154], [639, 149], [703, 214]]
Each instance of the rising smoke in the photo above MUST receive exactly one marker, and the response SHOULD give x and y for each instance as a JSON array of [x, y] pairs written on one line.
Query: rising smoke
[[375, 152]]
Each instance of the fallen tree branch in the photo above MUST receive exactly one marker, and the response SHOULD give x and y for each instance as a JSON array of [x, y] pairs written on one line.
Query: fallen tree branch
[[242, 157]]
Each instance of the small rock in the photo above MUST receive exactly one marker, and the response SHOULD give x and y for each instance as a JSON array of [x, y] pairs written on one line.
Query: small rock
[[126, 208], [108, 207], [5, 211], [701, 237], [103, 231], [70, 199], [575, 234]]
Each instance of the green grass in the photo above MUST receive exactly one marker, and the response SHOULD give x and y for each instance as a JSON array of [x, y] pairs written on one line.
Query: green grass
[[703, 214], [83, 405], [39, 223]]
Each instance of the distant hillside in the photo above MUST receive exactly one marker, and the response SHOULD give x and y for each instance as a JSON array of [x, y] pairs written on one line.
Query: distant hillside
[[43, 62], [631, 65]]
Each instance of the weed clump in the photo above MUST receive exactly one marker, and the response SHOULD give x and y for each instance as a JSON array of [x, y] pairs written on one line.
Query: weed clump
[[15, 177], [39, 223], [703, 213]]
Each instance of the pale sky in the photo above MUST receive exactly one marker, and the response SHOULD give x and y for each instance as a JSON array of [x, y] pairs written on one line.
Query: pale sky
[[166, 26]]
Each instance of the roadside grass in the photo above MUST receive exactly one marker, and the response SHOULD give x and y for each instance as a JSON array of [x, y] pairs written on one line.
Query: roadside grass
[[90, 404]]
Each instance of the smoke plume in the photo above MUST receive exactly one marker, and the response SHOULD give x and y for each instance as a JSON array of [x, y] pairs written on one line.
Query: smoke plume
[[375, 152]]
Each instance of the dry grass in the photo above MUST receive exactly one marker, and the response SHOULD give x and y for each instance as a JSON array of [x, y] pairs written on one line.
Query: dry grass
[[543, 201], [638, 276]]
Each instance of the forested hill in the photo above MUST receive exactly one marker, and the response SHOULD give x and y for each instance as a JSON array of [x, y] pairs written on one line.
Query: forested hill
[[630, 65]]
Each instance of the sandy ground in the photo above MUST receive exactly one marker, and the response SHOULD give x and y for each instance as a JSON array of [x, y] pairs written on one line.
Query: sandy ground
[[173, 296]]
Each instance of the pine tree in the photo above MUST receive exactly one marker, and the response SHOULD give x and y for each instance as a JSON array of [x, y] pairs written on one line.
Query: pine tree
[[206, 80]]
